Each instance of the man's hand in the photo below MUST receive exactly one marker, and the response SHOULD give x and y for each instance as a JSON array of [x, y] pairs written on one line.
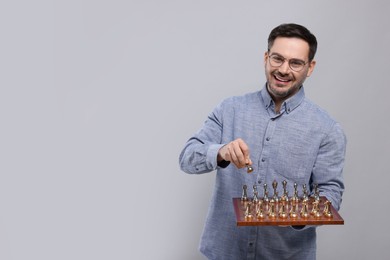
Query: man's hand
[[237, 152]]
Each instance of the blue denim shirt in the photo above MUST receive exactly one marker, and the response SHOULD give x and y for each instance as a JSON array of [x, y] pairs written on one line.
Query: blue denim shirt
[[301, 144]]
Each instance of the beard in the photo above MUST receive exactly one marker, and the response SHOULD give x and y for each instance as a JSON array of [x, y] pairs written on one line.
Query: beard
[[282, 86]]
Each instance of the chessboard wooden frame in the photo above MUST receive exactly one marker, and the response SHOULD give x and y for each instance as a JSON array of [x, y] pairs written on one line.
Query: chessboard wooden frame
[[239, 208]]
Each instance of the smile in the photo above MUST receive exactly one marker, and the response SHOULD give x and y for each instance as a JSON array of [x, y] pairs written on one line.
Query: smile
[[277, 77]]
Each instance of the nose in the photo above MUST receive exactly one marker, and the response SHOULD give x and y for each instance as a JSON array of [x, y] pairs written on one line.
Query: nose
[[285, 67]]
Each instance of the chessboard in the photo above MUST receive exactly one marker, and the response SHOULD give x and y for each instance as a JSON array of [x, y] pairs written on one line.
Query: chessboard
[[310, 211]]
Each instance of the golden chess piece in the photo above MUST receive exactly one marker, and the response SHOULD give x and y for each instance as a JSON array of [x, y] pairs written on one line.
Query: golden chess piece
[[315, 211], [275, 196], [305, 209], [248, 212], [294, 208], [327, 209], [255, 194], [244, 196], [283, 211], [249, 168], [272, 210], [259, 210]]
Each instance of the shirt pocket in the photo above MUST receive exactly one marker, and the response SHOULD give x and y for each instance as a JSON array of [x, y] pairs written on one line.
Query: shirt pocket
[[294, 163]]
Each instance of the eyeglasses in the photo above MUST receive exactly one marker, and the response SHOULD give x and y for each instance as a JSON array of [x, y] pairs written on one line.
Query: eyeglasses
[[295, 64]]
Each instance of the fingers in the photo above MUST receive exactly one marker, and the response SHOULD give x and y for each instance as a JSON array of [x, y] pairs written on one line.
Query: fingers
[[236, 152]]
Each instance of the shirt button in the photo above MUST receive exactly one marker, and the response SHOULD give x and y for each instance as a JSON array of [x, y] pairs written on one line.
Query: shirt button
[[267, 139], [250, 244], [263, 160]]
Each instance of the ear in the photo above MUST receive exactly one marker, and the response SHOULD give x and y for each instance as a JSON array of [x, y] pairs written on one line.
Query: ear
[[265, 58], [311, 68]]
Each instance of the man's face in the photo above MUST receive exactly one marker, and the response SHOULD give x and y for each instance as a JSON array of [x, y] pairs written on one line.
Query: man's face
[[282, 81]]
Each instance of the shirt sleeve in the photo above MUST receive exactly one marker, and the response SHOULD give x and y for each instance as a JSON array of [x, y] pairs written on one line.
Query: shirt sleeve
[[328, 167], [200, 152]]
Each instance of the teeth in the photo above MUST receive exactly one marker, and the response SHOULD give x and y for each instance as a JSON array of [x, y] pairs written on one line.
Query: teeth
[[281, 79]]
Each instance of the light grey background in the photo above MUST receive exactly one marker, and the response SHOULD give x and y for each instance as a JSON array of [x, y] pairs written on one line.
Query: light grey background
[[98, 98]]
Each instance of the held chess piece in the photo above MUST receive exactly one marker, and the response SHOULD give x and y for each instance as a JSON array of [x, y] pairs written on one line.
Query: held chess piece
[[305, 209], [249, 168], [327, 211], [275, 196], [244, 196]]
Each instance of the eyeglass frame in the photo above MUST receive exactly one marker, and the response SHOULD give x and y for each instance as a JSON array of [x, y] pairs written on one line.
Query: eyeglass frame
[[288, 60]]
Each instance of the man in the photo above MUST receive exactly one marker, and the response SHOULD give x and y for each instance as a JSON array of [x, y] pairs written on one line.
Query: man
[[283, 136]]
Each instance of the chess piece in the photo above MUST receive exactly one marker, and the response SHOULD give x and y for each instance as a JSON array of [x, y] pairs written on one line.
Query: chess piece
[[272, 209], [259, 210], [285, 192], [249, 168], [255, 194], [244, 196], [283, 211], [248, 212], [294, 208], [305, 209], [327, 209], [315, 211], [305, 194], [295, 196], [316, 194], [275, 196], [265, 198]]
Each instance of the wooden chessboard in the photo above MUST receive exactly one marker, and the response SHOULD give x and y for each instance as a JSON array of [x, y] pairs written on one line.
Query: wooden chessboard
[[241, 206]]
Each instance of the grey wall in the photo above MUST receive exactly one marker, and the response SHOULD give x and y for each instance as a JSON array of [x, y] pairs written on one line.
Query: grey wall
[[98, 97]]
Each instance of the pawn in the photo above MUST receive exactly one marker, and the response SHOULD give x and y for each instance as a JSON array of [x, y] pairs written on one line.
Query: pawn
[[248, 212], [283, 211], [294, 208], [259, 211], [272, 210], [305, 209]]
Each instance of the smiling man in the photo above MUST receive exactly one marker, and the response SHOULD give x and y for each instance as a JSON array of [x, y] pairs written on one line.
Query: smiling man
[[282, 135]]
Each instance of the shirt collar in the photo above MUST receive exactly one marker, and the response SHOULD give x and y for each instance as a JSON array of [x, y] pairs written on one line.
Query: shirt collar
[[288, 105]]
